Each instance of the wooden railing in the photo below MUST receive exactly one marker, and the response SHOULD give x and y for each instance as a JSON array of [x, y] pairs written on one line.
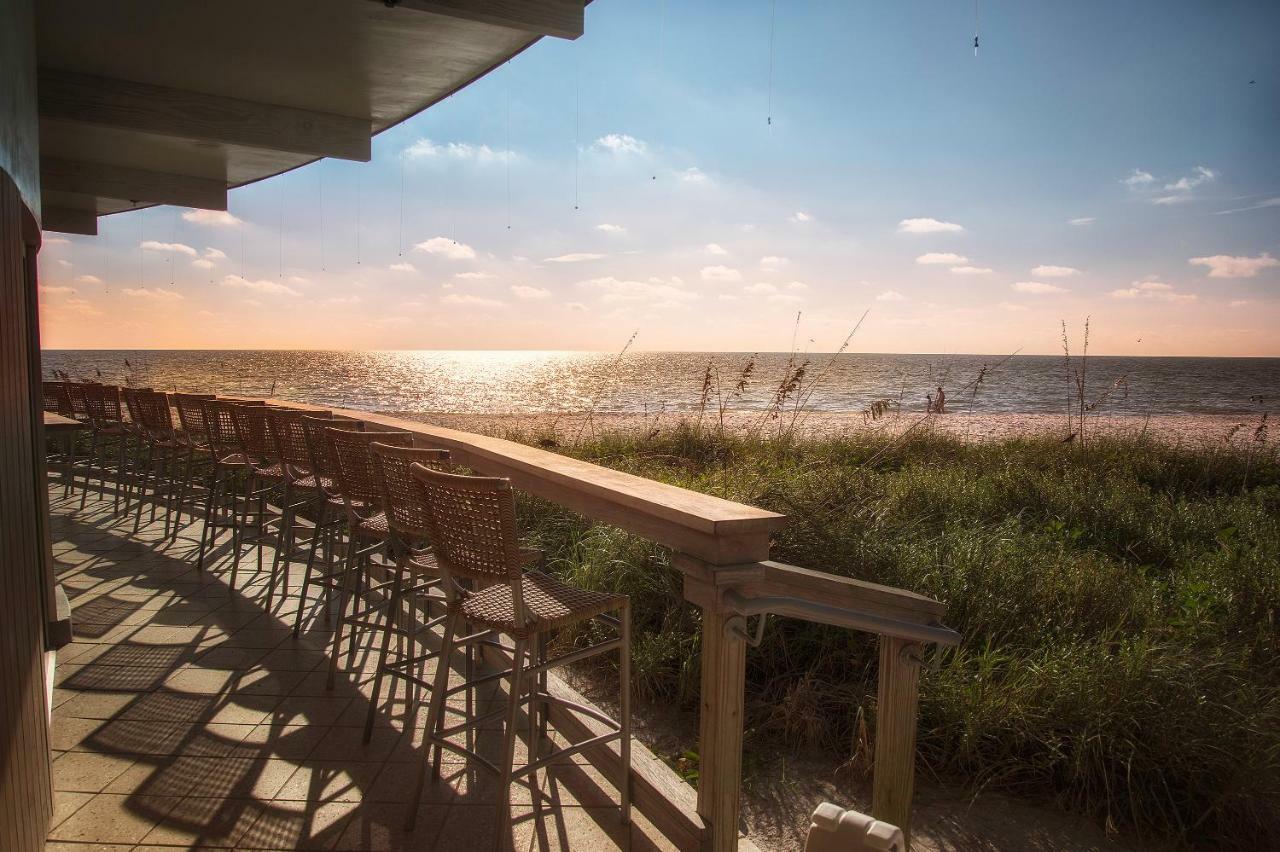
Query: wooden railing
[[722, 549]]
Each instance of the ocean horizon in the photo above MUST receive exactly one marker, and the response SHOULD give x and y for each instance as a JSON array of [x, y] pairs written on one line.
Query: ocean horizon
[[568, 381]]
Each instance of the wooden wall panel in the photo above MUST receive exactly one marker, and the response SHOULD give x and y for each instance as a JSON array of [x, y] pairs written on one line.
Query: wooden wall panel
[[26, 801]]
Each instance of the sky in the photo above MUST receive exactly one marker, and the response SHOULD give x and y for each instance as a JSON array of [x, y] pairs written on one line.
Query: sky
[[699, 173]]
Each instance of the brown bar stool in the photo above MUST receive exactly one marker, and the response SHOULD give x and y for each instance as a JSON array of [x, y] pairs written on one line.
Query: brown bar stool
[[416, 572], [330, 513], [472, 525], [159, 440], [368, 533], [227, 493], [80, 411], [194, 436], [107, 425]]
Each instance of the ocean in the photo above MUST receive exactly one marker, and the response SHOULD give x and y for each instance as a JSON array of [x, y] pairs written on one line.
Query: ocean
[[514, 382]]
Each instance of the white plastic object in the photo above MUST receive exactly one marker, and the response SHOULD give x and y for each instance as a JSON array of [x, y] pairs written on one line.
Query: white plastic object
[[834, 829]]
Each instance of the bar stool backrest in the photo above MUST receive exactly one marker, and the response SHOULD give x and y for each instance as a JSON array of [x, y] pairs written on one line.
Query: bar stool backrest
[[220, 423], [152, 412], [289, 435], [320, 449], [406, 512], [79, 402], [358, 475], [191, 415], [131, 402], [252, 431], [56, 399], [472, 526], [103, 405]]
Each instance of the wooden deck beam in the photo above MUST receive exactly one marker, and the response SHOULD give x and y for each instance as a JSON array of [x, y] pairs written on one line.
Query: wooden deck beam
[[559, 18], [163, 111], [104, 180]]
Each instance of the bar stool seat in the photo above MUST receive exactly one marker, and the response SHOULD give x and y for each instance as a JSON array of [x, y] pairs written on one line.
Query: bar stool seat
[[374, 526], [549, 604]]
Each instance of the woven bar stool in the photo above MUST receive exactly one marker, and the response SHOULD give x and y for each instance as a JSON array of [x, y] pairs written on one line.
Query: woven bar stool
[[368, 533], [265, 480], [56, 400], [416, 572], [472, 526], [159, 453], [196, 456], [107, 427], [229, 480], [135, 440], [80, 411], [300, 489]]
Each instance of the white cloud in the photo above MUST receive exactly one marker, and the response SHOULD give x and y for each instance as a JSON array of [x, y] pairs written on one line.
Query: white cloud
[[1239, 303], [529, 294], [446, 247], [940, 257], [1082, 220], [156, 293], [298, 279], [1037, 289], [799, 217], [1266, 202], [716, 248], [1170, 199], [772, 261], [262, 285], [470, 276], [576, 306], [88, 279], [1137, 178], [693, 174], [928, 226], [1011, 306], [427, 149], [177, 248], [53, 289], [1198, 176], [403, 266], [1055, 271], [1227, 266], [720, 274], [79, 306], [66, 263], [216, 218], [212, 253], [797, 285], [202, 264], [573, 257], [620, 143], [655, 291], [472, 301], [1150, 289], [353, 299], [891, 296], [611, 229], [971, 270], [761, 288]]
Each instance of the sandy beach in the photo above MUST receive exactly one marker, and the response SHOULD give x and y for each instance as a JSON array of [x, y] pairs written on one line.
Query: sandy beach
[[1196, 429]]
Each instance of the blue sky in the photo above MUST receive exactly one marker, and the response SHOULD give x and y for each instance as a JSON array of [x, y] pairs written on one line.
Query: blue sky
[[1079, 166]]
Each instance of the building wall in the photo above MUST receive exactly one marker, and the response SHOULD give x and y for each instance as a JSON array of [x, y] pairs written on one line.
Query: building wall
[[26, 800]]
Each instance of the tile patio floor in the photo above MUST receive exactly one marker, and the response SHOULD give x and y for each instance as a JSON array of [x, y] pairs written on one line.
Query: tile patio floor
[[188, 716]]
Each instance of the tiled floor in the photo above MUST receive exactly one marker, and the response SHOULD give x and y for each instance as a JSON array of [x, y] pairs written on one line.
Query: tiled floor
[[187, 715]]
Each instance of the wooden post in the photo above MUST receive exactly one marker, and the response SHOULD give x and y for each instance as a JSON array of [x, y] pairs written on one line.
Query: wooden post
[[897, 702], [724, 658]]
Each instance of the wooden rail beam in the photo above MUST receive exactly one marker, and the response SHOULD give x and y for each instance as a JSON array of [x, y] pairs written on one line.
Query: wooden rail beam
[[897, 704], [559, 18], [163, 111], [68, 220], [104, 180]]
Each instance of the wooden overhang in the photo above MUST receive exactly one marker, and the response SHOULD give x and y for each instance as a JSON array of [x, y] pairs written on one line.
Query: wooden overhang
[[146, 103]]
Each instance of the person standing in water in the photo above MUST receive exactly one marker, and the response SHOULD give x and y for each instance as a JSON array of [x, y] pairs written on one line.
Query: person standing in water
[[940, 401]]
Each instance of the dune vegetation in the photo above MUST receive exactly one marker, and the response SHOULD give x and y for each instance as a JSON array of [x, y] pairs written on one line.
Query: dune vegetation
[[1118, 604]]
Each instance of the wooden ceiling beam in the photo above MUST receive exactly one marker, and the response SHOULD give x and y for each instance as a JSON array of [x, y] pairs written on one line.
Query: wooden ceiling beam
[[103, 180], [160, 110], [68, 220], [558, 18]]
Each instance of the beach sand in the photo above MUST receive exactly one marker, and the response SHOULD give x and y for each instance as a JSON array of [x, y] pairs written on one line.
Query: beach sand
[[1195, 429]]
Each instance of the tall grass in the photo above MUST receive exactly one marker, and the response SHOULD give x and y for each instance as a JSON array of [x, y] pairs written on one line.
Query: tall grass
[[1118, 608]]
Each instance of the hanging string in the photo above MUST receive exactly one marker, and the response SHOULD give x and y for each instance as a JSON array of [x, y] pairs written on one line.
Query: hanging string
[[662, 43], [773, 17], [320, 175], [142, 278], [507, 81], [975, 27], [400, 233], [280, 229], [357, 216], [173, 238], [242, 253], [577, 120]]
